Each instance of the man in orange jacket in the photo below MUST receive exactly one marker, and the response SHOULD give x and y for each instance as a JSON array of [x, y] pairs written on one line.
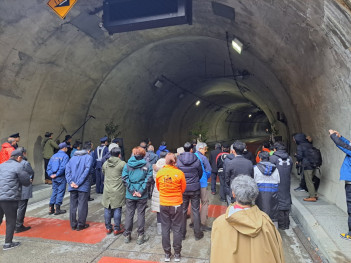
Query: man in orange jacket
[[6, 149], [171, 183]]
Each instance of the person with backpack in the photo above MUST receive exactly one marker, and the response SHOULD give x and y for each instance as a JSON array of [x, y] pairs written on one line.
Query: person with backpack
[[136, 175], [220, 162], [345, 173], [305, 155], [284, 164], [267, 178]]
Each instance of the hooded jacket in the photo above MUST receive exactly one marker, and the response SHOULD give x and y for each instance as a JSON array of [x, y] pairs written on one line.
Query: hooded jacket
[[192, 169], [303, 145], [48, 145], [114, 194], [162, 148], [344, 145], [5, 152], [13, 176], [284, 164], [267, 178], [234, 166], [78, 170], [137, 174], [245, 236]]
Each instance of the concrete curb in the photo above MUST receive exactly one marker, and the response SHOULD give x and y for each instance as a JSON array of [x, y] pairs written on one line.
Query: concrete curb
[[315, 231]]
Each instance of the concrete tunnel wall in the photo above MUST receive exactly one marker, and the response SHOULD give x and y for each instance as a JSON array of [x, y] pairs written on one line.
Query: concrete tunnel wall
[[54, 73]]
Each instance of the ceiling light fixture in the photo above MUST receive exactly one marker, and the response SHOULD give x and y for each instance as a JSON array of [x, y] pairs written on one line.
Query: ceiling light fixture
[[237, 45], [250, 115], [158, 84], [198, 103]]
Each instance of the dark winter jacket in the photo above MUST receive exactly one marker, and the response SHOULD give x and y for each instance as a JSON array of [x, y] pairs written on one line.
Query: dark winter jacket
[[303, 145], [137, 174], [206, 169], [12, 177], [78, 171], [57, 165], [220, 162], [27, 191], [213, 156], [248, 155], [234, 166], [284, 164], [151, 157], [190, 165], [344, 145], [267, 178], [162, 148]]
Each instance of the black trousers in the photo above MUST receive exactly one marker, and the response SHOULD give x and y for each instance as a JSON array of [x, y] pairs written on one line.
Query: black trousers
[[9, 209], [283, 219], [194, 198], [46, 162], [78, 201], [348, 202], [171, 217], [21, 212], [221, 185], [131, 206]]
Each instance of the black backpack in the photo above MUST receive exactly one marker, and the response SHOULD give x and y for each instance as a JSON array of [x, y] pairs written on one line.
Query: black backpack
[[314, 157]]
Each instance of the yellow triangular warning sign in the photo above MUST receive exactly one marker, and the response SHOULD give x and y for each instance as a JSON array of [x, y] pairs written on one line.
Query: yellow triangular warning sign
[[61, 7]]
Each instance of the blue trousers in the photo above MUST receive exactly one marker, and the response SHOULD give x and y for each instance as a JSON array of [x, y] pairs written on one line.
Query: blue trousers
[[99, 181], [58, 190], [117, 214]]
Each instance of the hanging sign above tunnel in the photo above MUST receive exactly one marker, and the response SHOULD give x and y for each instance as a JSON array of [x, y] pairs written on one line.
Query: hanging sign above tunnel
[[129, 15], [61, 7]]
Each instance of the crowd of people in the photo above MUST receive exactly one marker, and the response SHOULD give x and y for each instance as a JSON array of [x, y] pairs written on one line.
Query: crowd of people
[[256, 190]]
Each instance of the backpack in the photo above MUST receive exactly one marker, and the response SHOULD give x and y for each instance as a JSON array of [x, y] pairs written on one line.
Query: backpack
[[314, 157]]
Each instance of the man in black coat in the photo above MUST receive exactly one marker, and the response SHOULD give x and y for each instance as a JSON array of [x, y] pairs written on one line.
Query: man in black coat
[[235, 164], [284, 164], [214, 171], [303, 145], [220, 162], [190, 165], [13, 176]]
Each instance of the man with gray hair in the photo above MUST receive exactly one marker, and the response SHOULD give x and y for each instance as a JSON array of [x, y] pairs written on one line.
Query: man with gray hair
[[201, 149], [251, 232]]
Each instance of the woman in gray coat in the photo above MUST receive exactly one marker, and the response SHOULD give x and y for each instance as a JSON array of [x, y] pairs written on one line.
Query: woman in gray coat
[[26, 194]]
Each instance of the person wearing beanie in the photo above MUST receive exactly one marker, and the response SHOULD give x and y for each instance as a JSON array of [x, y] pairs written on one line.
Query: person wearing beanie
[[171, 183], [56, 171], [48, 146]]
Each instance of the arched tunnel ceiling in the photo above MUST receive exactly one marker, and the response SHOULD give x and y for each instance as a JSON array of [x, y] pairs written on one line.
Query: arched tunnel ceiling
[[57, 72]]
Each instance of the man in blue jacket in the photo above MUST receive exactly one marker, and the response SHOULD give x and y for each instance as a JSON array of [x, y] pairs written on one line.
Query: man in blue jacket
[[77, 176], [56, 171], [201, 149], [345, 173]]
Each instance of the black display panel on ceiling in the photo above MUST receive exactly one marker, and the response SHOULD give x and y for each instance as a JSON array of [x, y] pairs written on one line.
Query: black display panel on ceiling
[[131, 15]]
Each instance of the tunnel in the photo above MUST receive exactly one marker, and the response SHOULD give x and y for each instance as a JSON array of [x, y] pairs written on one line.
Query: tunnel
[[293, 75]]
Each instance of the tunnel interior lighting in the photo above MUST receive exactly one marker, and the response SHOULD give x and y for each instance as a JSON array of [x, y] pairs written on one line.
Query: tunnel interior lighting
[[198, 103], [250, 115], [237, 45]]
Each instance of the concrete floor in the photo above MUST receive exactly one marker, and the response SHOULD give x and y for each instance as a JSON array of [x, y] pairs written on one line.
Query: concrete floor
[[38, 250]]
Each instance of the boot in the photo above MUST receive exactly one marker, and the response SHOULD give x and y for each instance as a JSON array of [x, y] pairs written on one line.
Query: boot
[[158, 228], [59, 211], [51, 209]]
